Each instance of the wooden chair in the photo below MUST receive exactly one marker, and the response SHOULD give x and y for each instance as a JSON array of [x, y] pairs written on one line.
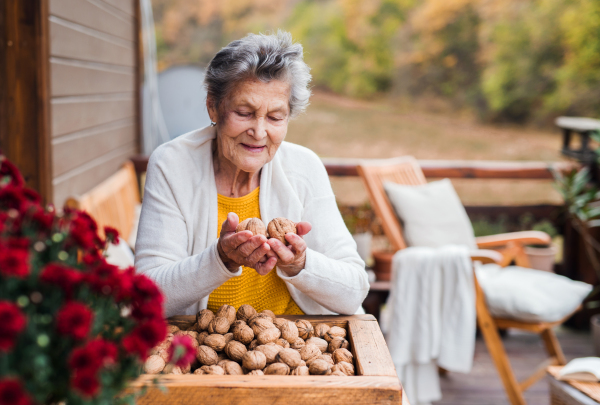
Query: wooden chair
[[112, 202], [509, 247]]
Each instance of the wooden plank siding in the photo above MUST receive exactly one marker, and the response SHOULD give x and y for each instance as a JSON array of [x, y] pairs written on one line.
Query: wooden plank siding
[[93, 84]]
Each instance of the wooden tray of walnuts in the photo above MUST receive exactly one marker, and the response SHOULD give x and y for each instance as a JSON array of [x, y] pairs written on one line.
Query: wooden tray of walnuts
[[246, 357]]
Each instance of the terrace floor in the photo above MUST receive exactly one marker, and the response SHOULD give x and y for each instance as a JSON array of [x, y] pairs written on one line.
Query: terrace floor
[[483, 386]]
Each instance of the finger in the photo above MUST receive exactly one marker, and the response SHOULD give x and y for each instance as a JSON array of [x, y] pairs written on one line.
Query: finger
[[231, 242], [283, 252], [230, 223], [258, 254], [298, 244], [264, 268], [246, 249], [303, 228]]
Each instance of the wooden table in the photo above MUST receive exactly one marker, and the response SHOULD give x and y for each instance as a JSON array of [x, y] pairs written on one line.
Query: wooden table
[[562, 393], [375, 382]]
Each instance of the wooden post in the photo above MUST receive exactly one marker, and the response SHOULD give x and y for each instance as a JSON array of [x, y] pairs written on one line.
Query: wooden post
[[24, 91]]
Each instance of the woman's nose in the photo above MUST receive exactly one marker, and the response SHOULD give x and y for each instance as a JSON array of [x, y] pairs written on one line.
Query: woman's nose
[[259, 129]]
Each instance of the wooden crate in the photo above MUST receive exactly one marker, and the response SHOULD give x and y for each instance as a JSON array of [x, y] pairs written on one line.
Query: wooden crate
[[376, 381]]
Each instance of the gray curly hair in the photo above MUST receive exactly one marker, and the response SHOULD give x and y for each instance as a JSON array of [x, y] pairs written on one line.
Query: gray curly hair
[[264, 57]]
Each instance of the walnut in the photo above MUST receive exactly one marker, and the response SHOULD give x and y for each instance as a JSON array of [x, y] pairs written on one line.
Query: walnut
[[279, 227], [212, 370], [283, 343], [261, 324], [215, 341], [309, 351], [320, 343], [298, 344], [279, 322], [321, 329], [191, 334], [268, 336], [226, 311], [232, 368], [198, 371], [245, 312], [270, 313], [335, 331], [235, 350], [206, 355], [338, 343], [222, 356], [254, 360], [172, 329], [289, 331], [154, 364], [244, 334], [305, 329], [172, 369], [222, 362], [270, 351], [253, 345], [219, 325], [259, 316], [236, 325], [300, 370], [277, 369], [256, 372], [290, 357], [204, 318], [164, 354], [342, 355], [344, 367], [327, 357], [201, 337], [228, 337], [319, 367], [337, 373], [254, 225]]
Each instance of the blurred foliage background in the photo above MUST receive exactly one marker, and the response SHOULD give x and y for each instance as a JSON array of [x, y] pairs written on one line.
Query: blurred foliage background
[[522, 61]]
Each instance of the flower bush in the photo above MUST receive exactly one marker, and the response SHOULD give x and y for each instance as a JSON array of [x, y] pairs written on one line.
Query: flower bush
[[72, 327]]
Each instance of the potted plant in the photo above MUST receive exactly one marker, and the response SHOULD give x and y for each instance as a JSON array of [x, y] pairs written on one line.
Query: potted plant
[[74, 329], [543, 257]]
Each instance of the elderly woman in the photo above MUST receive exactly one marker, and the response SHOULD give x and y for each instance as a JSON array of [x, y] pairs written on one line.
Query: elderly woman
[[201, 184]]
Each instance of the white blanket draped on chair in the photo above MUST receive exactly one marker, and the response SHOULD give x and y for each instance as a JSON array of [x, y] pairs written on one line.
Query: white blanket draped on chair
[[431, 317]]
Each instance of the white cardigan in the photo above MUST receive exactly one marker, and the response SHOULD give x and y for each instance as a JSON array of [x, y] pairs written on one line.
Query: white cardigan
[[177, 236]]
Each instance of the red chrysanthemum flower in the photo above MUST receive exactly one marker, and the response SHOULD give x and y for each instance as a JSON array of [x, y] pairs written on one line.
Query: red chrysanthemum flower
[[147, 299], [181, 351], [86, 383], [104, 278], [83, 231], [93, 355], [64, 277], [145, 336], [12, 392], [13, 322], [74, 319], [14, 261], [112, 235], [9, 170], [43, 219], [17, 198]]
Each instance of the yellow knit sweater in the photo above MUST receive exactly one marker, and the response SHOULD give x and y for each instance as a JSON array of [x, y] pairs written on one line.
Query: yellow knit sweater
[[262, 292]]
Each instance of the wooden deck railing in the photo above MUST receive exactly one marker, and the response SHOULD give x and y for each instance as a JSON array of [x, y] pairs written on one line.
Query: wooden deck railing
[[455, 169]]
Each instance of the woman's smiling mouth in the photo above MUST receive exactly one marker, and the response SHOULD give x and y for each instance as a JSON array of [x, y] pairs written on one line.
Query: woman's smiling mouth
[[253, 148]]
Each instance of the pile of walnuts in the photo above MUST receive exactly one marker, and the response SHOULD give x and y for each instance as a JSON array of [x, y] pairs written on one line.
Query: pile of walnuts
[[247, 342]]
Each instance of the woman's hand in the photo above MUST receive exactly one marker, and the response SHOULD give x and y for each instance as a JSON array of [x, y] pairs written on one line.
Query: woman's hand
[[290, 259], [243, 249]]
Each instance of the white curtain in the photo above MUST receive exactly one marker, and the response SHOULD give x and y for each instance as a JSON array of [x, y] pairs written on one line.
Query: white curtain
[[154, 130]]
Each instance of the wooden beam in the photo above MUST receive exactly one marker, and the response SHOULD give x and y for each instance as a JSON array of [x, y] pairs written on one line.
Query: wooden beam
[[457, 169], [24, 91]]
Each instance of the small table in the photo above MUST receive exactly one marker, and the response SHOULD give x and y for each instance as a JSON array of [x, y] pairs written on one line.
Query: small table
[[562, 393]]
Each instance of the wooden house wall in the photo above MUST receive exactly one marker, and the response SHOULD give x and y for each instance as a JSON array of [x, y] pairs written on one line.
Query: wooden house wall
[[93, 98]]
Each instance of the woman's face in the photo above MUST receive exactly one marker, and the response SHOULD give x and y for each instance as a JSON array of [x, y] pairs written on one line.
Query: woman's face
[[253, 123]]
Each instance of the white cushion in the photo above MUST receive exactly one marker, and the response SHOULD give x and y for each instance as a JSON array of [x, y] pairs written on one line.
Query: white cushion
[[529, 295], [432, 214], [119, 255]]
